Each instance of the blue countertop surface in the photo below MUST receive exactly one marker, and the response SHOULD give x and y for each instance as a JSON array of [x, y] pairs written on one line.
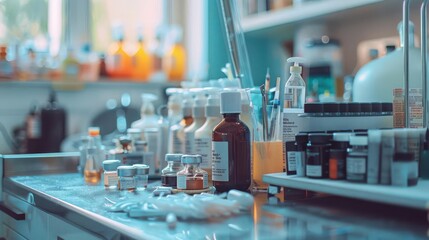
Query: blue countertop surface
[[321, 217]]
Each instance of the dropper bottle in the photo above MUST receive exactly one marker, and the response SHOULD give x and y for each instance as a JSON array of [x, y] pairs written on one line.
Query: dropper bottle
[[294, 93], [199, 118]]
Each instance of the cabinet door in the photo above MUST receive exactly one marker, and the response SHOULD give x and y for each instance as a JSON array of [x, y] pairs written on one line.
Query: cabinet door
[[10, 234], [34, 226], [61, 230]]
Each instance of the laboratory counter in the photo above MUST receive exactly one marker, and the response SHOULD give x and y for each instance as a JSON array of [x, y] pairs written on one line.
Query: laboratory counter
[[67, 197]]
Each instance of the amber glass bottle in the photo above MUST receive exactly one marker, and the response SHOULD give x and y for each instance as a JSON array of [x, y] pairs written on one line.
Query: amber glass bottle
[[231, 163]]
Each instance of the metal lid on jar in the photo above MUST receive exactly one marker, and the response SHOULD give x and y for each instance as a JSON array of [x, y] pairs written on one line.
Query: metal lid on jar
[[111, 165], [386, 107], [126, 171], [354, 107], [313, 108], [141, 169], [173, 157], [190, 159], [301, 138], [332, 108]]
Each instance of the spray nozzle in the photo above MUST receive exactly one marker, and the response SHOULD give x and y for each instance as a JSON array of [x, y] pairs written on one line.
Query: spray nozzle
[[296, 68]]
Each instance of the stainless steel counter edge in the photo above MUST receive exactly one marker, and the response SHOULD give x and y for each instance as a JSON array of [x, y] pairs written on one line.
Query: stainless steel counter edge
[[81, 217]]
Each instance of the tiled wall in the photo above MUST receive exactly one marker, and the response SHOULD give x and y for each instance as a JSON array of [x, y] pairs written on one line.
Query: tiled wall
[[16, 99]]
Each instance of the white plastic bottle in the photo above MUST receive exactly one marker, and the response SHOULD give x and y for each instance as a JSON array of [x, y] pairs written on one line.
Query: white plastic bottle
[[294, 93], [177, 131], [203, 136], [174, 105], [198, 114], [148, 117]]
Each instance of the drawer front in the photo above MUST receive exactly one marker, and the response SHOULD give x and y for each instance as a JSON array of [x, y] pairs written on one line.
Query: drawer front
[[62, 230], [10, 234]]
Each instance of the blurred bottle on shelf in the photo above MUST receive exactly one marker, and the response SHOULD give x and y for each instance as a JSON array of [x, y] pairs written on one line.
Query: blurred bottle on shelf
[[102, 66], [174, 61], [142, 62], [88, 64], [33, 131], [70, 67], [6, 66], [118, 61], [53, 125], [27, 67]]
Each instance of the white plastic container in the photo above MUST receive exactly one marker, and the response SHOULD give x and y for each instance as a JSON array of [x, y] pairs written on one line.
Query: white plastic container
[[198, 114]]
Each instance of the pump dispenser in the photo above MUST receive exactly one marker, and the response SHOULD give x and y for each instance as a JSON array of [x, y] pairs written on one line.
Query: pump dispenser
[[198, 115], [203, 136], [294, 94], [147, 112], [174, 105]]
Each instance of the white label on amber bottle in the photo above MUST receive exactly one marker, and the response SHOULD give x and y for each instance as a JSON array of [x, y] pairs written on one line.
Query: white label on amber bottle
[[220, 161], [181, 181], [203, 148]]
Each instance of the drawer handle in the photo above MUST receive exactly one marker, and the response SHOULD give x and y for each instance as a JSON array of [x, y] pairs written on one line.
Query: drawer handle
[[11, 213]]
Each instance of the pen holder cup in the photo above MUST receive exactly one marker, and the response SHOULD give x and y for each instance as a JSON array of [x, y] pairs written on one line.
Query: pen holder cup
[[267, 158]]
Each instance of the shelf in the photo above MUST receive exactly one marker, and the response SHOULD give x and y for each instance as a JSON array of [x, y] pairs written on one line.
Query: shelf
[[282, 21], [103, 83], [414, 197]]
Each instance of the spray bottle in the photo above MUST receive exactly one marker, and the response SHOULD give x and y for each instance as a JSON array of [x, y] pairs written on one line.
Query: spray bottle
[[147, 112], [294, 93], [198, 115]]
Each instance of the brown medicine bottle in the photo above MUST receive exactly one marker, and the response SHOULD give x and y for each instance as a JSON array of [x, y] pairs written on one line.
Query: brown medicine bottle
[[231, 163]]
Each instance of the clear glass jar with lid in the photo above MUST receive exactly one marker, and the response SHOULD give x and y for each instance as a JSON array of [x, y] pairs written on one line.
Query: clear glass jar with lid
[[169, 173], [126, 178], [142, 176], [192, 177]]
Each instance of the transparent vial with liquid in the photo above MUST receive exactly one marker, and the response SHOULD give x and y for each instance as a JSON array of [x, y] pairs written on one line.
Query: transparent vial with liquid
[[92, 171]]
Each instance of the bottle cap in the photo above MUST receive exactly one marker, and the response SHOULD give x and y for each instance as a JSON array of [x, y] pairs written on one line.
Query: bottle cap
[[376, 107], [173, 157], [313, 107], [141, 169], [147, 106], [386, 107], [342, 136], [358, 140], [366, 107], [230, 102], [187, 107], [319, 138], [343, 107], [331, 108], [93, 131], [354, 107], [199, 106], [126, 171], [301, 138], [134, 131], [190, 159], [111, 165], [403, 157], [295, 68]]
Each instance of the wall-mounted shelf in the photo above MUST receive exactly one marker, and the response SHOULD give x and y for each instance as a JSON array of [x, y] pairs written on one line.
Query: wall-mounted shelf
[[414, 197], [103, 83], [280, 22]]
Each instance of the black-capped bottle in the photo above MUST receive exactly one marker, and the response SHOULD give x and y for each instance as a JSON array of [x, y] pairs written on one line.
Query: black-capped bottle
[[231, 163]]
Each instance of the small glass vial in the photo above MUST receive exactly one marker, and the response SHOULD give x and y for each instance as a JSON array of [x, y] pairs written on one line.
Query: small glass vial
[[192, 177], [357, 159], [142, 176], [169, 173], [126, 178], [317, 164], [110, 173], [338, 154]]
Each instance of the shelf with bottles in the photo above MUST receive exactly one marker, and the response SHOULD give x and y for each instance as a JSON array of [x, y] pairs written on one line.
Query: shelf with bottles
[[281, 22], [414, 197]]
